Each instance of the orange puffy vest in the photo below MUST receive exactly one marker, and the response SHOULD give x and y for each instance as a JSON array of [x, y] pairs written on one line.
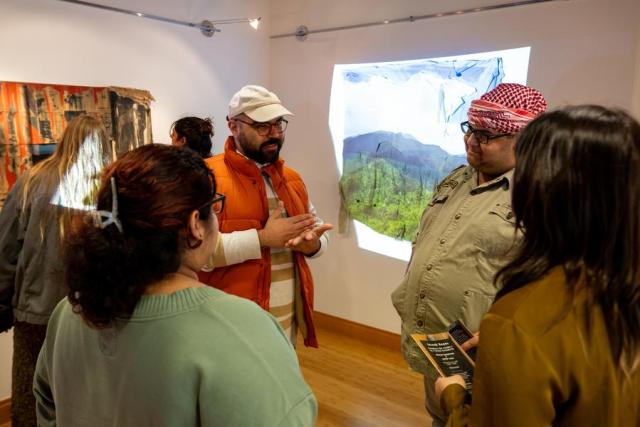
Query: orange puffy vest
[[242, 183]]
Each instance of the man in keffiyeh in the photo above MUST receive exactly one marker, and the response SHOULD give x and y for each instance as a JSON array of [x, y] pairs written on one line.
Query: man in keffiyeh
[[467, 230], [494, 121]]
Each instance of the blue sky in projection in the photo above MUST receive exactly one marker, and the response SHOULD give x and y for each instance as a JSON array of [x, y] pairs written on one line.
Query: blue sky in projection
[[426, 99]]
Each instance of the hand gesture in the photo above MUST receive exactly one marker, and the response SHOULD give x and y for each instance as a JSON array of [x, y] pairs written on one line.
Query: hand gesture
[[308, 242], [278, 230]]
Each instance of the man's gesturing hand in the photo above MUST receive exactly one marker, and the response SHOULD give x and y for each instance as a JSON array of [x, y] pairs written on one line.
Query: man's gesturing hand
[[308, 242], [278, 230]]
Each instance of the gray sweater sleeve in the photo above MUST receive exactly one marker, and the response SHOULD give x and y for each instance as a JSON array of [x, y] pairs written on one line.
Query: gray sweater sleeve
[[10, 247]]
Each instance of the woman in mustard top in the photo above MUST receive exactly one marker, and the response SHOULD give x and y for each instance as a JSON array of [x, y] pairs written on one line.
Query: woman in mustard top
[[561, 344]]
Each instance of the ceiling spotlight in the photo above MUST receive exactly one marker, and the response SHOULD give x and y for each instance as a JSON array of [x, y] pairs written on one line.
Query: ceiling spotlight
[[207, 27]]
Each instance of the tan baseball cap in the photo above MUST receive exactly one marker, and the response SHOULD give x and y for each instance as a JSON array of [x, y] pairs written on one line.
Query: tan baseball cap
[[257, 103]]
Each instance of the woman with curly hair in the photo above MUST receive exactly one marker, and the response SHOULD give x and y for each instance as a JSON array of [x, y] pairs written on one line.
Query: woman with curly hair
[[140, 341]]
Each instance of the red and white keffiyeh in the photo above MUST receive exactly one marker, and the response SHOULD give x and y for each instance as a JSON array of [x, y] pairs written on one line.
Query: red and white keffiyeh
[[507, 108]]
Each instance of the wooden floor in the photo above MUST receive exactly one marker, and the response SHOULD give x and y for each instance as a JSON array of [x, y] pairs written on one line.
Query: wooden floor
[[358, 384]]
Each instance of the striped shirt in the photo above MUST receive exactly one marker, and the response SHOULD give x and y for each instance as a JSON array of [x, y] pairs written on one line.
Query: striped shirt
[[282, 290]]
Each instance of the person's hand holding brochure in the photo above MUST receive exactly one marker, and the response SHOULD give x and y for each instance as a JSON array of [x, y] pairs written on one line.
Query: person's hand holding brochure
[[444, 352]]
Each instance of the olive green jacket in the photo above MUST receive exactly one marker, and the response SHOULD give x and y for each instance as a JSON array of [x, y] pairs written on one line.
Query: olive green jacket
[[465, 235]]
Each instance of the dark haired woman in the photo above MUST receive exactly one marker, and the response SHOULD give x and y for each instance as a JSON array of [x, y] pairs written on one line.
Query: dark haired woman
[[561, 344], [35, 217], [140, 341], [194, 133]]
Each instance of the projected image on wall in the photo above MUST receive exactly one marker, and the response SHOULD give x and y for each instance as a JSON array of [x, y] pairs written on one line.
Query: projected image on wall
[[396, 134]]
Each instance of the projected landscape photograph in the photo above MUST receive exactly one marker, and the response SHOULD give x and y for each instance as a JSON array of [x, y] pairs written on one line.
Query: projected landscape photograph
[[388, 178], [396, 131]]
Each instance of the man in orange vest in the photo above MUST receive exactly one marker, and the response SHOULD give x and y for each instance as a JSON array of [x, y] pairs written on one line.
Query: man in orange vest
[[269, 227]]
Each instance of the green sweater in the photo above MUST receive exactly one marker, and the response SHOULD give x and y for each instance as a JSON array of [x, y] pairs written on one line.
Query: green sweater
[[194, 357]]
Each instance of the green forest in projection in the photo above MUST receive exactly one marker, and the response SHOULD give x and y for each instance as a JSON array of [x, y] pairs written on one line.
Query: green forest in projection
[[388, 178], [382, 197]]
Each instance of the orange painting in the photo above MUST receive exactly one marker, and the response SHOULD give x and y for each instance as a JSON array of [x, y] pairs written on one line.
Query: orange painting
[[33, 114]]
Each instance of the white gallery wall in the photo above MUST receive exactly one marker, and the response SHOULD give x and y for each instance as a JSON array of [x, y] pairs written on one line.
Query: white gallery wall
[[582, 51], [635, 93], [47, 41]]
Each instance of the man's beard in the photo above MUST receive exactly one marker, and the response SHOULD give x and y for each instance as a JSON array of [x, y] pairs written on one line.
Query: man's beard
[[261, 155]]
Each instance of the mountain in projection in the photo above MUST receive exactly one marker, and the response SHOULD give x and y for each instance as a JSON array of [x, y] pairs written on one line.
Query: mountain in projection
[[389, 177]]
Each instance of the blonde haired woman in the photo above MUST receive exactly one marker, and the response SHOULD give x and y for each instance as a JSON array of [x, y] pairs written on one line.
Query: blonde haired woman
[[35, 215]]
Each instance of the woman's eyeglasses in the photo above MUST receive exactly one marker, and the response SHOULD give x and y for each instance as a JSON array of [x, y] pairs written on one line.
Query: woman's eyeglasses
[[217, 204]]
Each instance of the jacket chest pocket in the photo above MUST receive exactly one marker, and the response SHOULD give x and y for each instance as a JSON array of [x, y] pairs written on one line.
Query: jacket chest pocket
[[438, 199], [504, 212], [497, 236], [433, 209]]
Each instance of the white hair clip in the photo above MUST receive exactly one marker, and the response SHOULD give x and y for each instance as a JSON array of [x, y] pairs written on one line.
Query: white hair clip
[[105, 218]]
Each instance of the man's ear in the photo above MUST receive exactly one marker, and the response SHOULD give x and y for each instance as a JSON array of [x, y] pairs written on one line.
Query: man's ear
[[196, 230]]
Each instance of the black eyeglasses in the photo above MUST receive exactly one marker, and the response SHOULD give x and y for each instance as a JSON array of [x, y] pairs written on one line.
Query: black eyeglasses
[[264, 129], [482, 136], [217, 204]]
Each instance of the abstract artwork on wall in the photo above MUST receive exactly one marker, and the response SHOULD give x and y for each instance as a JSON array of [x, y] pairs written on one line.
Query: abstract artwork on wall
[[396, 133], [33, 117]]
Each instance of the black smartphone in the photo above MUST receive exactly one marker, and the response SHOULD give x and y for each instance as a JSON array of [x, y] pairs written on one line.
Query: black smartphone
[[461, 334]]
